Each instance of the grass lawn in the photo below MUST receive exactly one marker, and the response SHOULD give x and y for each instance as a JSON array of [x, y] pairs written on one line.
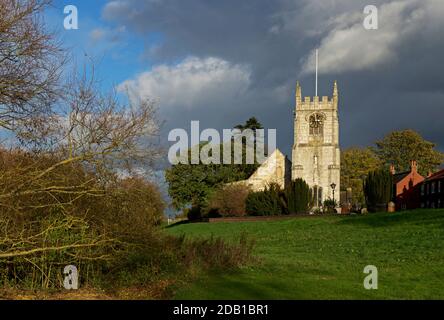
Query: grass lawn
[[324, 258]]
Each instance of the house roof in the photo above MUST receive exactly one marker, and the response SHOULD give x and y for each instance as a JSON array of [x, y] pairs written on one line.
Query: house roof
[[436, 176], [399, 176]]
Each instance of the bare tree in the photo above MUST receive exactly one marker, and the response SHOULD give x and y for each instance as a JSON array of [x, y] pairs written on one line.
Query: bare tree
[[30, 66], [106, 131]]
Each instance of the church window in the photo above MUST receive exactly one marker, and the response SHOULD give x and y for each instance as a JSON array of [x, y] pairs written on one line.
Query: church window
[[316, 122], [433, 187], [317, 196]]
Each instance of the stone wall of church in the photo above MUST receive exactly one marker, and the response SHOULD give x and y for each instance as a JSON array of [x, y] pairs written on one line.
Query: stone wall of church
[[276, 169]]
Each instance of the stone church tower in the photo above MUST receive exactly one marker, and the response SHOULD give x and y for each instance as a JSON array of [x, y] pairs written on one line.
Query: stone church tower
[[316, 153]]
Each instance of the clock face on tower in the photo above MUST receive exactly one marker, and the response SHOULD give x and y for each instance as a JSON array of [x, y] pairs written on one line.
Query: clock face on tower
[[316, 122]]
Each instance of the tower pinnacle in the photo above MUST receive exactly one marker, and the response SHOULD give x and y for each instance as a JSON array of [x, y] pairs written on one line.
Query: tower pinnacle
[[298, 93], [335, 95], [335, 89]]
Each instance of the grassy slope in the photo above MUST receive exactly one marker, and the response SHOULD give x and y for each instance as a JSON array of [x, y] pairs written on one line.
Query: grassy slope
[[324, 258]]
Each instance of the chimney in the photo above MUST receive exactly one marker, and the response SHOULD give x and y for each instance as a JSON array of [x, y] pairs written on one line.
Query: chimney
[[429, 174], [414, 166], [392, 169]]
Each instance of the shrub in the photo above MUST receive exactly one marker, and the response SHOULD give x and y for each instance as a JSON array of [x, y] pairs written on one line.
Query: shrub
[[330, 206], [129, 205], [266, 203], [298, 197], [68, 215], [229, 201], [80, 244], [194, 213], [378, 189]]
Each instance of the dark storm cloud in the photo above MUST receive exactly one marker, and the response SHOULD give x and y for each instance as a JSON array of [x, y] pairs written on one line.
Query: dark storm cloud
[[390, 78]]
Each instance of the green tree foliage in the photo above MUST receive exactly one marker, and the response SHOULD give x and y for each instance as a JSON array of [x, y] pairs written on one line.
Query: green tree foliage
[[265, 203], [298, 197], [400, 147], [356, 163], [251, 123], [378, 189], [193, 184]]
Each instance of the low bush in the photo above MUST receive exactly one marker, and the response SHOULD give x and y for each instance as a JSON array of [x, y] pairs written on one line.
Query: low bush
[[330, 206], [48, 244], [266, 203], [194, 213], [228, 201]]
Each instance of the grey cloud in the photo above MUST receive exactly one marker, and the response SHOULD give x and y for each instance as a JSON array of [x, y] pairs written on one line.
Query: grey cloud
[[389, 79]]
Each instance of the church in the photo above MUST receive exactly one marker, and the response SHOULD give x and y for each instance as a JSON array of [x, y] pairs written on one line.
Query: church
[[316, 154]]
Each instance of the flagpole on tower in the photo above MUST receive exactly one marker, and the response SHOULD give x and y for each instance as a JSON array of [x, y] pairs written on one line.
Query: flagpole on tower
[[317, 63]]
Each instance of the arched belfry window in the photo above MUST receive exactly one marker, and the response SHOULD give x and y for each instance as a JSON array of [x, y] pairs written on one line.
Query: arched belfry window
[[316, 122]]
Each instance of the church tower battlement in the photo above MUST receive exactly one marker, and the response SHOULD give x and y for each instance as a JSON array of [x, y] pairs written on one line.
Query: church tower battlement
[[316, 153]]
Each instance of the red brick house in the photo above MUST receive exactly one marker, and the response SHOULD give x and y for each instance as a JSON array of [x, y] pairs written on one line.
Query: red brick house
[[406, 187], [432, 191]]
